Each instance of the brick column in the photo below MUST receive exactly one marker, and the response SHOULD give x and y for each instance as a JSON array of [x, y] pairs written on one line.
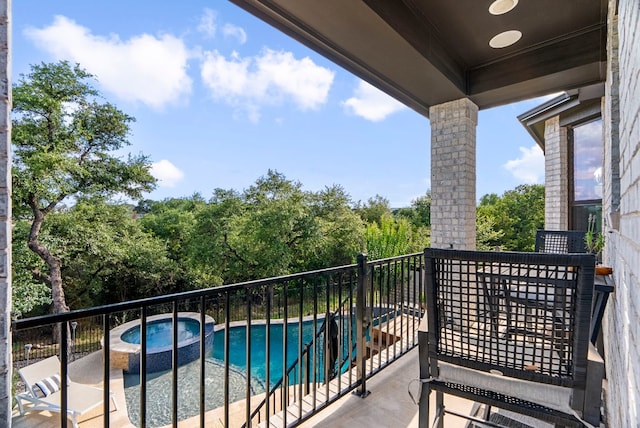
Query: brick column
[[556, 176], [453, 174]]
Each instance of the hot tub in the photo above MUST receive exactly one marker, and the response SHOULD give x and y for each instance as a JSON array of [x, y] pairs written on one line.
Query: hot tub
[[125, 342]]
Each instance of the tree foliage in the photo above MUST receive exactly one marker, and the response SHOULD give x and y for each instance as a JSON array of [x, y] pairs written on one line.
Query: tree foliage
[[394, 237], [273, 228], [419, 214], [374, 209], [64, 137], [28, 294], [511, 221], [108, 255]]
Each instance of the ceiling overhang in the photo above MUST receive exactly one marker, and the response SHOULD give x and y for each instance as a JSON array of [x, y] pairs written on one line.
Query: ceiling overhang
[[427, 52]]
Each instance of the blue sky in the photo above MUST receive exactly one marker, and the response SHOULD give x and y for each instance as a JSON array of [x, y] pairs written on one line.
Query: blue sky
[[220, 98]]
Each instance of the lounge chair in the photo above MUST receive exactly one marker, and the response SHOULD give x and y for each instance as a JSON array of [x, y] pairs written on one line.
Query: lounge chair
[[43, 391]]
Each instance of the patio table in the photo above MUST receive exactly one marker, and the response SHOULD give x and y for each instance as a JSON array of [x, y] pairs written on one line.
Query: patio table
[[496, 282], [531, 287]]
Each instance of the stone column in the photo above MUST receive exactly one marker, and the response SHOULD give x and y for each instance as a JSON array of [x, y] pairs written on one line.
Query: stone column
[[453, 174], [5, 214], [556, 176]]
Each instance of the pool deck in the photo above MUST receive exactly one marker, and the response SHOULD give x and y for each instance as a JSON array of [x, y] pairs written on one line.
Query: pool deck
[[87, 370]]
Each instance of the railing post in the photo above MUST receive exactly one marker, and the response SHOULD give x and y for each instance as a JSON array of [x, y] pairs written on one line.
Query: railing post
[[307, 357], [362, 323]]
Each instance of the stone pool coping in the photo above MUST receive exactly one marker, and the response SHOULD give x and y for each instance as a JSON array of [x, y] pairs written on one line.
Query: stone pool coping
[[263, 321]]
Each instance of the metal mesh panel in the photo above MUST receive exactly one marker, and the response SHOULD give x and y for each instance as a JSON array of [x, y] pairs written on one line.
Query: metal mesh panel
[[507, 402], [560, 241], [510, 312]]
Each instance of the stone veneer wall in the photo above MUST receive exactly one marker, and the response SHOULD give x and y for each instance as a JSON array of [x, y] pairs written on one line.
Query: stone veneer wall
[[453, 174], [556, 184], [5, 214], [622, 318]]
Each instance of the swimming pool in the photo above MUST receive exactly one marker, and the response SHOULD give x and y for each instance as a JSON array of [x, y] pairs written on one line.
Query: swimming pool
[[159, 384]]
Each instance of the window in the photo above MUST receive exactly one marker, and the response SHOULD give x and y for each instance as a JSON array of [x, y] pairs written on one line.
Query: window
[[586, 182]]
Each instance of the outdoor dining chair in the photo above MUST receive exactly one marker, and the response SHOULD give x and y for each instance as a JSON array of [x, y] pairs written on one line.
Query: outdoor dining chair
[[547, 369], [560, 241], [573, 241]]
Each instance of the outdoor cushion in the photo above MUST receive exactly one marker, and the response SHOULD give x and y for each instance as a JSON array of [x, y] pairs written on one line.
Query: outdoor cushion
[[47, 386]]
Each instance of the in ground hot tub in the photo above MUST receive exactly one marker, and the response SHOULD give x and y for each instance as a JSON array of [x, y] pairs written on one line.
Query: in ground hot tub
[[126, 348]]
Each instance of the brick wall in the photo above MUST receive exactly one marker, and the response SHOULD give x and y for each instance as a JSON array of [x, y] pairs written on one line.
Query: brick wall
[[622, 318], [453, 174], [556, 164]]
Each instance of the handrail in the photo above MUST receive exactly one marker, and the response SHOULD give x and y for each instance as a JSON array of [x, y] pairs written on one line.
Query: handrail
[[167, 298]]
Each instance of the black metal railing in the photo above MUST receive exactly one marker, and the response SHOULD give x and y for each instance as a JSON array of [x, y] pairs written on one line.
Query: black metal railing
[[269, 351], [321, 344]]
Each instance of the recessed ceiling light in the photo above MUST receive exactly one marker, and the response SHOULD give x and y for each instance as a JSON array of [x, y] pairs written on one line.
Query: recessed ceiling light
[[499, 7], [505, 39]]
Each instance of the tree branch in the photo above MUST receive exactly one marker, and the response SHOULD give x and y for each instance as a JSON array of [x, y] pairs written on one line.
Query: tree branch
[[235, 253], [41, 277]]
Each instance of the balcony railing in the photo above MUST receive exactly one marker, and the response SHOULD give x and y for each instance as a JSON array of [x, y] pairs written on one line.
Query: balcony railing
[[278, 343]]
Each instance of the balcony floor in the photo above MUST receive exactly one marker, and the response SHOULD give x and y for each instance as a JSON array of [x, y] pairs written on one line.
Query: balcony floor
[[389, 404]]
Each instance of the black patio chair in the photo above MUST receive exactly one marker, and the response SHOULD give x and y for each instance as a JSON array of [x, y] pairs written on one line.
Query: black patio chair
[[573, 241], [560, 241], [548, 371]]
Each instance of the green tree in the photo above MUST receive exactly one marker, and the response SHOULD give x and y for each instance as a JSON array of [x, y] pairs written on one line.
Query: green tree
[[422, 207], [487, 237], [516, 215], [173, 221], [277, 232], [64, 137], [211, 257], [108, 256], [273, 228], [394, 237], [374, 209], [341, 229], [419, 214]]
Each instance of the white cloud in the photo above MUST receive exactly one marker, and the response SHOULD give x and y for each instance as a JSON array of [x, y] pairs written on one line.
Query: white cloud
[[529, 167], [371, 103], [270, 78], [207, 25], [144, 68], [167, 174], [230, 30]]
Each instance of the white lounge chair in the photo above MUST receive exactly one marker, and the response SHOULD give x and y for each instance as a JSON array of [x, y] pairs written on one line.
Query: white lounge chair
[[43, 391]]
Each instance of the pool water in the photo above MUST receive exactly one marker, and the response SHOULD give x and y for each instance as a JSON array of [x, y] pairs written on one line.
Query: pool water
[[258, 361], [160, 335], [159, 384], [258, 352]]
